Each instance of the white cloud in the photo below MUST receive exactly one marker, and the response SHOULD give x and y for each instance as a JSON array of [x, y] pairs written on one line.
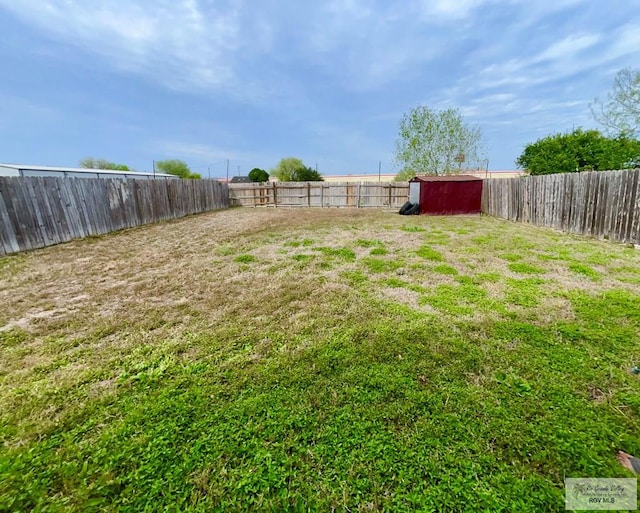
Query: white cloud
[[363, 46], [172, 41], [625, 42], [560, 59], [568, 47], [248, 51], [450, 9], [200, 46]]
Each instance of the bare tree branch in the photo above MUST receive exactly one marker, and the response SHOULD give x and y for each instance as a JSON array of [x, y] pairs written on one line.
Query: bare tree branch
[[620, 113]]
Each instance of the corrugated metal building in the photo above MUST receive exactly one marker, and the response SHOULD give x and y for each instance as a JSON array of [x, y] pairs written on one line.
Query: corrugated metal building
[[454, 194], [74, 172]]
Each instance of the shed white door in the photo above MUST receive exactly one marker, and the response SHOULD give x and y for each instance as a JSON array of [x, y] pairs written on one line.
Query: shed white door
[[414, 192]]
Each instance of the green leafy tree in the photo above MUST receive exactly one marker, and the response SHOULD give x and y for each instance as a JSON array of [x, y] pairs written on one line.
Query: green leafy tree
[[258, 175], [580, 150], [286, 169], [175, 167], [620, 112], [433, 142], [291, 169], [91, 163], [306, 174]]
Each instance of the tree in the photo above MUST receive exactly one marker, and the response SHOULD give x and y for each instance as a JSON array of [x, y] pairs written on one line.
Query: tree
[[579, 150], [176, 167], [306, 174], [432, 142], [258, 175], [91, 163], [286, 169], [291, 169], [620, 113]]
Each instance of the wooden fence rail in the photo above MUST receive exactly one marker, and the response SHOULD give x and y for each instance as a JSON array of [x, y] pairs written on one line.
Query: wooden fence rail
[[603, 204], [38, 212], [319, 194]]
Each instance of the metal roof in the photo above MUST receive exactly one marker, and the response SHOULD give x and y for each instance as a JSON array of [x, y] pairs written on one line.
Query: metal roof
[[27, 167]]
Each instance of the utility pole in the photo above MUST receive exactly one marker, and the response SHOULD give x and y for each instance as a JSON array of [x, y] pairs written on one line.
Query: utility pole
[[154, 168], [209, 170], [379, 170], [227, 170]]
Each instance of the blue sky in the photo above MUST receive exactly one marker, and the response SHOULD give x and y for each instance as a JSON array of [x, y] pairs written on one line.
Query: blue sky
[[254, 81]]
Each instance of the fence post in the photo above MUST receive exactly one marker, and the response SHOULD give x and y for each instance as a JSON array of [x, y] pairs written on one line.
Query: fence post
[[308, 194], [358, 198], [275, 195]]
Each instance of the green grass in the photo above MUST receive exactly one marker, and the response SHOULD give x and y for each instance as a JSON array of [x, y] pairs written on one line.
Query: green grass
[[412, 228], [445, 269], [346, 254], [334, 380], [367, 243], [460, 299], [380, 265], [245, 259], [524, 268], [512, 257], [302, 257], [355, 277], [298, 243], [402, 284], [428, 253], [437, 237], [523, 292], [585, 270]]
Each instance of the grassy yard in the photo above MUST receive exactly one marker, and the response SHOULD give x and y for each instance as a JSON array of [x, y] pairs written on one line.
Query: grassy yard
[[316, 360]]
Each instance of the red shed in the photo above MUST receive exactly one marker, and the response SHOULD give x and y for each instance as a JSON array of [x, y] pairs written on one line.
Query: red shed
[[453, 194]]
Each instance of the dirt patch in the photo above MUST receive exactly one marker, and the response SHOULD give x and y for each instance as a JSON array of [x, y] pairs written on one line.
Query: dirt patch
[[402, 296], [32, 317], [596, 395]]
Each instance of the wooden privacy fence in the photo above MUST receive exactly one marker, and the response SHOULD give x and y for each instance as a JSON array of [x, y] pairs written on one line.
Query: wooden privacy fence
[[597, 203], [38, 212], [319, 194]]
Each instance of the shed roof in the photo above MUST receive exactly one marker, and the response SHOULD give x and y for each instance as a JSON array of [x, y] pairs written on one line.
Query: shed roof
[[446, 178]]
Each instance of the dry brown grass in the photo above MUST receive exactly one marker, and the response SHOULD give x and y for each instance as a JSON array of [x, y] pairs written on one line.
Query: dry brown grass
[[84, 307], [174, 269]]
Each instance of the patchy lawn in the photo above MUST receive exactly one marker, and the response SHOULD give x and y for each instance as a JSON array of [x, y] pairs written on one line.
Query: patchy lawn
[[316, 359]]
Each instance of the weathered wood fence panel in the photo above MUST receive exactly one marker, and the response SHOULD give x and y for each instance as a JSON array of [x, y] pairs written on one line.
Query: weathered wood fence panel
[[319, 194], [41, 211], [603, 204]]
